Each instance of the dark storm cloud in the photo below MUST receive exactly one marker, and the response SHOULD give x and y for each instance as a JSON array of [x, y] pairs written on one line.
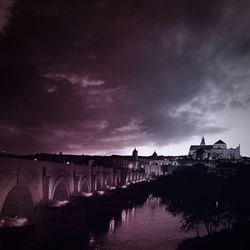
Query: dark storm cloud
[[5, 13], [94, 76]]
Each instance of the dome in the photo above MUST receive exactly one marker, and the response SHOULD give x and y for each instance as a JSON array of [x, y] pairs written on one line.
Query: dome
[[220, 145], [220, 142]]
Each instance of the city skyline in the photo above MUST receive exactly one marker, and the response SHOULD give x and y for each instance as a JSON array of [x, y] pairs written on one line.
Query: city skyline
[[103, 77]]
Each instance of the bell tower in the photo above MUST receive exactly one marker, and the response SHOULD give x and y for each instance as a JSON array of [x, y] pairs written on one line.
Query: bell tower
[[135, 155], [203, 141]]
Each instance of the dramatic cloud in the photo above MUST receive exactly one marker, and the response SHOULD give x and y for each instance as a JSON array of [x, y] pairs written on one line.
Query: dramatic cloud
[[5, 13], [104, 76], [73, 79]]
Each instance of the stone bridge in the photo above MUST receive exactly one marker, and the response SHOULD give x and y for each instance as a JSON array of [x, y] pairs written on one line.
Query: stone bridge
[[24, 184]]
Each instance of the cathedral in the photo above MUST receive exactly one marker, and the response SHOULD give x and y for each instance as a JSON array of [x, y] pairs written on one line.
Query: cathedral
[[216, 151]]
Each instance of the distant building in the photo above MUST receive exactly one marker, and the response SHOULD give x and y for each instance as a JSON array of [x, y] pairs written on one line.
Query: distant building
[[216, 151], [154, 165], [3, 151], [153, 170]]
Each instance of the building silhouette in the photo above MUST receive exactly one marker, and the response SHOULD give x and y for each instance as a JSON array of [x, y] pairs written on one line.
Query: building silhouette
[[216, 151]]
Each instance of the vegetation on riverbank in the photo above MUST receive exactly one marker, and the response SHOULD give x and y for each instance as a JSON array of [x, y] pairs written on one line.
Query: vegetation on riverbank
[[219, 205]]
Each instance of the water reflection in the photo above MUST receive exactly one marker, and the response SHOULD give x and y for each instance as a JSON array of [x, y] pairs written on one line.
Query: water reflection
[[112, 225], [147, 226], [162, 220], [153, 202], [137, 226], [214, 215]]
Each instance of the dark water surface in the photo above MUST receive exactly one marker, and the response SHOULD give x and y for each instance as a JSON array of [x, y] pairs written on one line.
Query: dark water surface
[[149, 226], [218, 211], [144, 225]]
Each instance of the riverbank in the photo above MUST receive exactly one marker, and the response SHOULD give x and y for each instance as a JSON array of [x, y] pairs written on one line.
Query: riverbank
[[219, 205], [229, 240]]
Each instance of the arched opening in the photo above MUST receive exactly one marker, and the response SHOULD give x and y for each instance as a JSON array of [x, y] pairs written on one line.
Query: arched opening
[[98, 184], [61, 192], [127, 179], [108, 181], [18, 203], [116, 181], [130, 177], [84, 185], [134, 176]]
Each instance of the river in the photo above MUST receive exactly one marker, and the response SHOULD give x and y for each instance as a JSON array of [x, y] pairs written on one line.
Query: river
[[133, 219], [147, 226], [144, 225]]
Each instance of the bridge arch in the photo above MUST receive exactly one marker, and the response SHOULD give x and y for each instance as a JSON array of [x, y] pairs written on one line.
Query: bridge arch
[[18, 202], [60, 190], [132, 175], [98, 182], [108, 182], [140, 176], [116, 180], [84, 185], [127, 180], [137, 176]]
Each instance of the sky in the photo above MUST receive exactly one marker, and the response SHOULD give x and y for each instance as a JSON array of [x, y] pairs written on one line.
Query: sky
[[105, 76]]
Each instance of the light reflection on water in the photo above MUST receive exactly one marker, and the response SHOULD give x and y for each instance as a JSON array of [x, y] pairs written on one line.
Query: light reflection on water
[[149, 226]]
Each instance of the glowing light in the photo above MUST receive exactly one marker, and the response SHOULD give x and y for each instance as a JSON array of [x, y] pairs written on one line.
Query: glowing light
[[133, 212], [112, 188], [130, 166], [124, 186], [100, 192], [87, 194], [112, 225], [13, 221], [60, 203], [20, 222], [124, 215]]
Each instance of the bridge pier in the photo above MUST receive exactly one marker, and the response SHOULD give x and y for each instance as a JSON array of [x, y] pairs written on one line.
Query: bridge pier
[[45, 183]]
